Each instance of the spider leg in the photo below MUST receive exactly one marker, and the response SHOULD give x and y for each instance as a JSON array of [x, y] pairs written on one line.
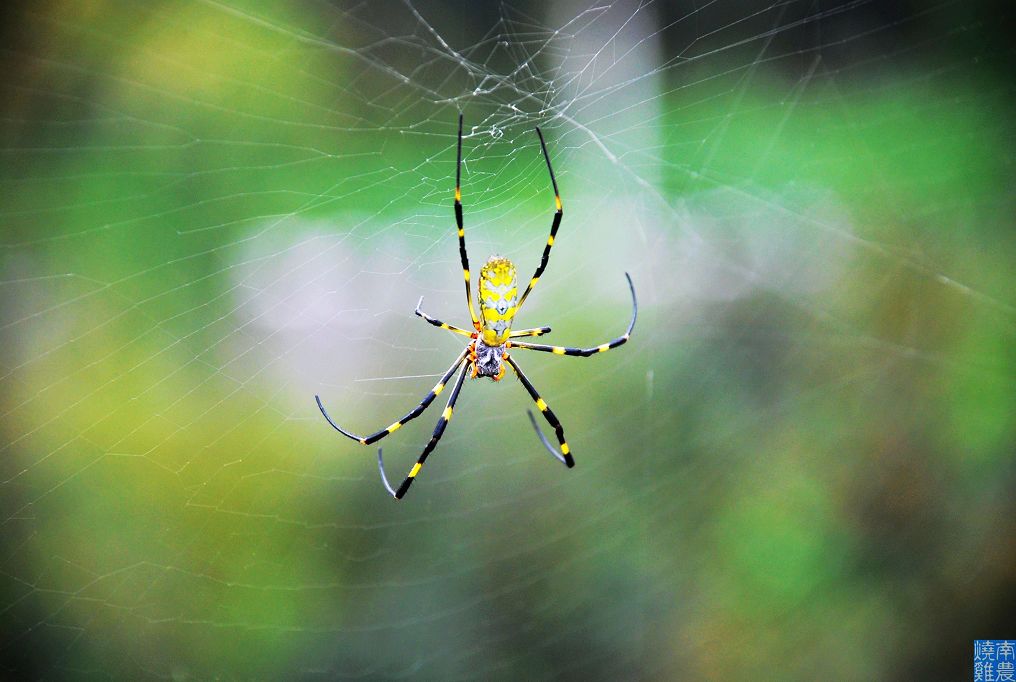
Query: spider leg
[[586, 352], [412, 414], [553, 227], [539, 331], [462, 231], [565, 455], [439, 323], [543, 439], [442, 422]]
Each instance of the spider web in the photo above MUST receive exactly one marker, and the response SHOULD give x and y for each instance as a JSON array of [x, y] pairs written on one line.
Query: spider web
[[214, 210]]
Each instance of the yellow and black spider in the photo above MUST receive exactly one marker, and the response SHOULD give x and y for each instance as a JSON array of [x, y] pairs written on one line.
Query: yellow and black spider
[[487, 350]]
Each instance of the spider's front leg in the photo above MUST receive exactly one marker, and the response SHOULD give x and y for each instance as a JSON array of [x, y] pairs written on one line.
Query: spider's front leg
[[603, 347], [564, 456], [413, 414], [442, 422]]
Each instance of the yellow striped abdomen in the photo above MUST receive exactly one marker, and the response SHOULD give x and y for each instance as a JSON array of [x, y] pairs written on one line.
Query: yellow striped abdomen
[[499, 295]]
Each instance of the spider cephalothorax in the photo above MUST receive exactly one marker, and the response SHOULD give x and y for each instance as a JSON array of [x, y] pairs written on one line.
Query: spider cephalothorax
[[488, 361], [487, 351]]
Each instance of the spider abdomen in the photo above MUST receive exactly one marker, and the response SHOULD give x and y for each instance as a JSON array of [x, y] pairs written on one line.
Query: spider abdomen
[[499, 295]]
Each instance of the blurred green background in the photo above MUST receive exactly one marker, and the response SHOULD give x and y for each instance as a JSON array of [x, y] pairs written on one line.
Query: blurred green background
[[801, 467]]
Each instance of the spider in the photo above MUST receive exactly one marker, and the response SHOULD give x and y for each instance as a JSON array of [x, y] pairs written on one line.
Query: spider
[[487, 351]]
